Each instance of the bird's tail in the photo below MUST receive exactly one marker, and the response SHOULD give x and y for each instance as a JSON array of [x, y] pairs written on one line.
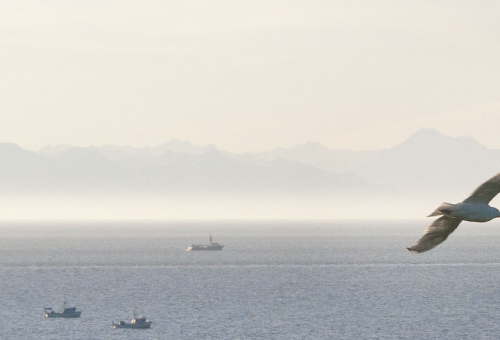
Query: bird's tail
[[443, 209]]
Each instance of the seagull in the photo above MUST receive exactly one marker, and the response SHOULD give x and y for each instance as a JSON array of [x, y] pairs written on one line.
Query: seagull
[[475, 208]]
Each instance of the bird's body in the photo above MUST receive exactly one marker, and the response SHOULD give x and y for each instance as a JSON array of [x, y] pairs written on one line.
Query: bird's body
[[474, 209], [472, 212]]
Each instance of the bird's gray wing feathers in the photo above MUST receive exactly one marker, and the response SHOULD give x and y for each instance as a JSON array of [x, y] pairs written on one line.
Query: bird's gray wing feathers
[[486, 191], [435, 234]]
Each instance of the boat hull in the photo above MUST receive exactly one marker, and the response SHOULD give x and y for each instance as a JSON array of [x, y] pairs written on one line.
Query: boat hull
[[146, 324], [201, 248], [209, 246], [63, 315]]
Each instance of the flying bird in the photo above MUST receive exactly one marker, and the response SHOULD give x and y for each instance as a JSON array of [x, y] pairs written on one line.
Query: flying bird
[[473, 209]]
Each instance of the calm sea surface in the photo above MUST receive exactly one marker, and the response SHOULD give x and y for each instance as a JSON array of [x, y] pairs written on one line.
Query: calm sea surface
[[273, 280]]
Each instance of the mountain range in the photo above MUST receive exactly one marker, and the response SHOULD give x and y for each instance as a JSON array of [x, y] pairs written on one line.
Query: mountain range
[[428, 164]]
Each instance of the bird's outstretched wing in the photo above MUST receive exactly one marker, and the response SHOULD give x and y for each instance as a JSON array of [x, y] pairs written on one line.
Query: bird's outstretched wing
[[435, 234], [486, 191]]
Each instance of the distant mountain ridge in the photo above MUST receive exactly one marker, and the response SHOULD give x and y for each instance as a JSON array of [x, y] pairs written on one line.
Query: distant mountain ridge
[[427, 161], [116, 152], [172, 168]]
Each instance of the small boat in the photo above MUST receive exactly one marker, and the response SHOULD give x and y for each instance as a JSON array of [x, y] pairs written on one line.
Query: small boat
[[210, 246], [137, 322], [67, 312]]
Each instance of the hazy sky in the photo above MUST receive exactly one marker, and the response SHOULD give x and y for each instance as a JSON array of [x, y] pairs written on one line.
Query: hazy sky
[[248, 75]]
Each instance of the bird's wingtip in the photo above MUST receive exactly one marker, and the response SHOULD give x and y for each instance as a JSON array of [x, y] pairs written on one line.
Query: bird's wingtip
[[412, 250]]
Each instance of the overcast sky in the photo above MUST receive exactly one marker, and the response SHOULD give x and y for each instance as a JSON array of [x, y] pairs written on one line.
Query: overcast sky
[[247, 75]]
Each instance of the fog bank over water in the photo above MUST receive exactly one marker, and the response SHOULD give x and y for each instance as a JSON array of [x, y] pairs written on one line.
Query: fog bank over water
[[204, 207], [177, 180]]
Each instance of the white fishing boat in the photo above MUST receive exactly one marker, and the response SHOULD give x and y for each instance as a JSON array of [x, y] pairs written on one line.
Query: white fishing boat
[[210, 246], [137, 322], [67, 312]]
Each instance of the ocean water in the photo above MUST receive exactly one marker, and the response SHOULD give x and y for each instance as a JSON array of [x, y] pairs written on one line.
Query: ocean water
[[272, 280]]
